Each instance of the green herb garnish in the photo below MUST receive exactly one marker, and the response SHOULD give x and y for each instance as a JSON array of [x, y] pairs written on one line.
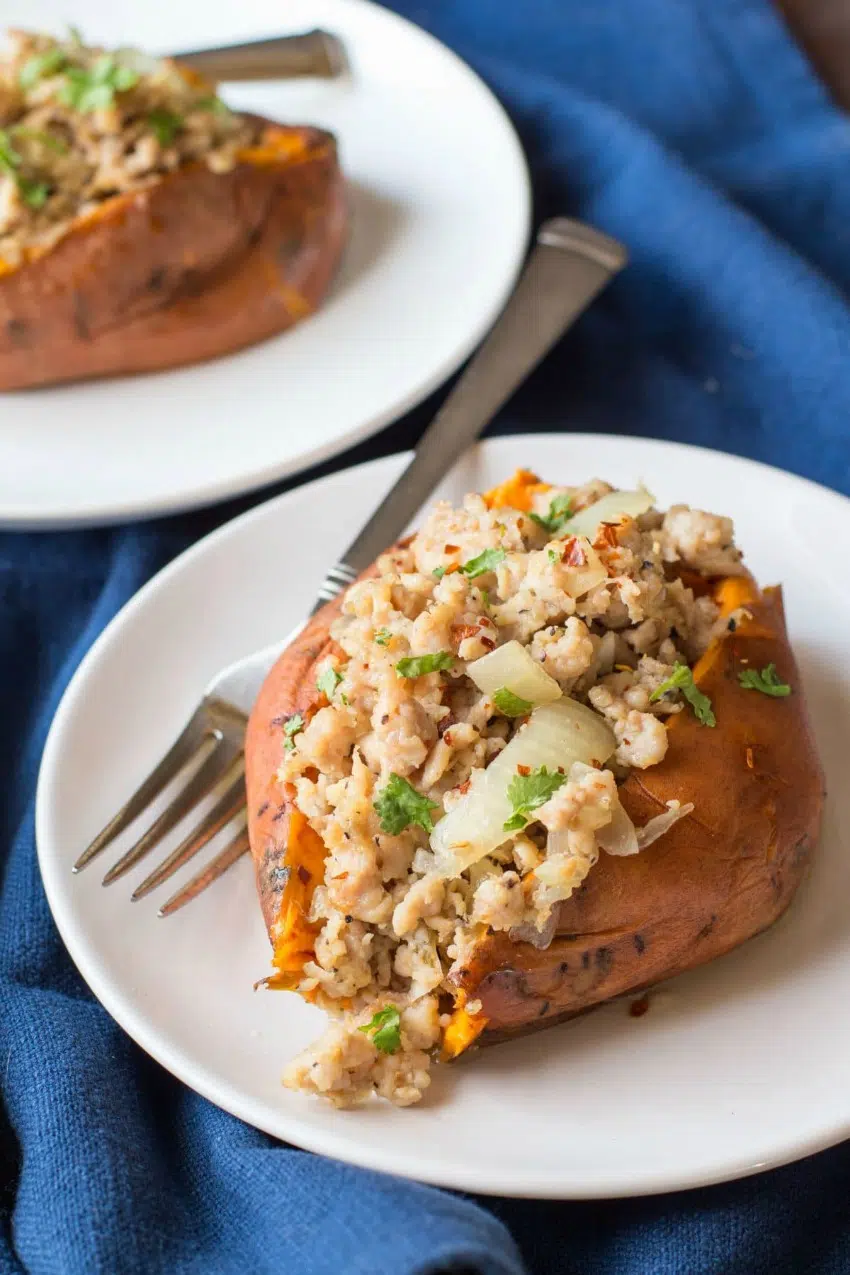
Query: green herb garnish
[[682, 679], [767, 681], [385, 1029], [559, 513], [419, 665], [486, 561], [165, 126], [213, 104], [485, 598], [399, 805], [328, 681], [528, 792], [553, 557], [293, 727], [40, 65], [382, 637], [75, 36], [438, 573], [34, 193], [94, 90], [50, 140], [509, 704]]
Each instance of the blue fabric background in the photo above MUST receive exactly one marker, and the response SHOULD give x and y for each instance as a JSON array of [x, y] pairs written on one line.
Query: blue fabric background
[[694, 131]]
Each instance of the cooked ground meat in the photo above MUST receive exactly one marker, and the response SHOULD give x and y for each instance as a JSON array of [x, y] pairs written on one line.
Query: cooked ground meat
[[80, 124], [393, 928]]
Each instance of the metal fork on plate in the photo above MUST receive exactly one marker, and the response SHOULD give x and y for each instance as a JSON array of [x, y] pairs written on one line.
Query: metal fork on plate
[[568, 267]]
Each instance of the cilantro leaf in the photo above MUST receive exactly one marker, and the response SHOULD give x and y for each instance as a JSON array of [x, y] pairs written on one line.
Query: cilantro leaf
[[329, 681], [528, 792], [35, 194], [682, 679], [94, 90], [385, 1029], [10, 159], [50, 140], [767, 681], [40, 65], [293, 727], [486, 561], [559, 513], [214, 104], [398, 805], [382, 637], [438, 573], [509, 704], [418, 665], [165, 126]]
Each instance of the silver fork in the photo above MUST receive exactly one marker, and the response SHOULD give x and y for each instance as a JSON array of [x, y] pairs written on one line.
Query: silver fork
[[568, 267], [316, 53]]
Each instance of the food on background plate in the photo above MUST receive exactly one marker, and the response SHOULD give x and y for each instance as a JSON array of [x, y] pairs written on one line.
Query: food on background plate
[[143, 224], [550, 750]]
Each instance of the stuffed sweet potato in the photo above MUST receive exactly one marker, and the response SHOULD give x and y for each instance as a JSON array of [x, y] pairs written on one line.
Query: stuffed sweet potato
[[143, 225], [551, 750]]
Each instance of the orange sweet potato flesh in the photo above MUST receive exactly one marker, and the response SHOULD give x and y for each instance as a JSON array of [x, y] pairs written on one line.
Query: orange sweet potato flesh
[[717, 878], [197, 265]]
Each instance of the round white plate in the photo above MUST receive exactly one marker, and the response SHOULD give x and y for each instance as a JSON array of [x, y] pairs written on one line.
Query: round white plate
[[736, 1067], [440, 223]]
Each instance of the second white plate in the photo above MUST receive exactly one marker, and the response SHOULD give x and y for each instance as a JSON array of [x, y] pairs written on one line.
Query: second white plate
[[736, 1067], [440, 221]]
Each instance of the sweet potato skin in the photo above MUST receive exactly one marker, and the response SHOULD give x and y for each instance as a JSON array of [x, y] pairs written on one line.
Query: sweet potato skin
[[717, 878], [198, 265]]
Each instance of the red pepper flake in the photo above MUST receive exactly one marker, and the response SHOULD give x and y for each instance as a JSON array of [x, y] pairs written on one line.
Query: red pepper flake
[[448, 738], [451, 548], [311, 773], [751, 765], [488, 642], [455, 566], [464, 787], [574, 554], [523, 770], [303, 874], [638, 1008], [606, 536]]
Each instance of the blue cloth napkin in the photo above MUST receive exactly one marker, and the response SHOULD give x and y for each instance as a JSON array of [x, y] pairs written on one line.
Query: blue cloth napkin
[[694, 131]]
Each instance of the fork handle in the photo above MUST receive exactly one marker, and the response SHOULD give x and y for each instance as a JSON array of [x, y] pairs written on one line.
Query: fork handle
[[287, 57], [570, 264]]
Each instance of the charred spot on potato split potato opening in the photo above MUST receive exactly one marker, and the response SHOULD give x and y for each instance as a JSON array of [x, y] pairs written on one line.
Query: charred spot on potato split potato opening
[[640, 944], [18, 331], [604, 959]]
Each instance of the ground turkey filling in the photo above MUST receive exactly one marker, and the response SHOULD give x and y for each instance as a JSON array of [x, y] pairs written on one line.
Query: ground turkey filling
[[79, 125], [391, 929]]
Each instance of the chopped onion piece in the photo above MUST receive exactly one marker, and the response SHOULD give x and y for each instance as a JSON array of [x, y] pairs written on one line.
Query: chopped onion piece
[[619, 836], [659, 824], [613, 507], [581, 567], [512, 667], [555, 736], [528, 933]]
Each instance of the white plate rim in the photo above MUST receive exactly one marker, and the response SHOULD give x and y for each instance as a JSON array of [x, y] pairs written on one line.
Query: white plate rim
[[204, 494], [323, 1142]]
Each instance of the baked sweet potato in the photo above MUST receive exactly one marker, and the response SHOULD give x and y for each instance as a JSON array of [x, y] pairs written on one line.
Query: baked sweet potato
[[714, 879], [196, 265]]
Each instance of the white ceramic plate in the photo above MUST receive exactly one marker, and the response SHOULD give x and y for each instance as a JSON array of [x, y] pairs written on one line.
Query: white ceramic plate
[[736, 1067], [440, 222]]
